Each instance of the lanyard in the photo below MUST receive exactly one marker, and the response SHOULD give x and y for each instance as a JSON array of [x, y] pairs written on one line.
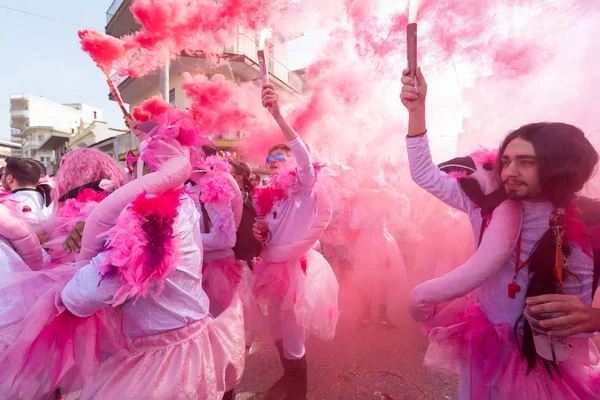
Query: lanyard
[[513, 288]]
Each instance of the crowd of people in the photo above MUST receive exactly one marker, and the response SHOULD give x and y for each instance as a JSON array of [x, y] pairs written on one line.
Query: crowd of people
[[151, 282]]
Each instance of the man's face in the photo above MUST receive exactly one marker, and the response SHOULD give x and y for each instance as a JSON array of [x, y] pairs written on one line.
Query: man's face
[[279, 160], [519, 172]]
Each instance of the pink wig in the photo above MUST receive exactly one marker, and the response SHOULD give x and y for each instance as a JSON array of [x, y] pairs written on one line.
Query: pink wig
[[82, 166]]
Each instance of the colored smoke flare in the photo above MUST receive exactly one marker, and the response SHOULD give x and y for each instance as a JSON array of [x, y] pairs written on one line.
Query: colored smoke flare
[[413, 8], [411, 37], [116, 94], [411, 48], [262, 61]]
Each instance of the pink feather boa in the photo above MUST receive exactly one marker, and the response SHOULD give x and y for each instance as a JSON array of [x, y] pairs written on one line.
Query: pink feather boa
[[577, 232], [281, 187], [142, 246], [215, 189]]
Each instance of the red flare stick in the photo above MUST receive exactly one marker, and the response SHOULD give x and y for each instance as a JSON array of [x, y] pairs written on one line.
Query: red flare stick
[[411, 48], [116, 94], [262, 63]]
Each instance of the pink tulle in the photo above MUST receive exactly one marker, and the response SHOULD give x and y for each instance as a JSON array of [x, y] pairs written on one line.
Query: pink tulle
[[199, 361], [311, 292], [222, 279], [142, 246], [463, 339], [45, 345]]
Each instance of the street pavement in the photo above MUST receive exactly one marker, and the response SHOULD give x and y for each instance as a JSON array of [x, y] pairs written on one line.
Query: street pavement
[[359, 363]]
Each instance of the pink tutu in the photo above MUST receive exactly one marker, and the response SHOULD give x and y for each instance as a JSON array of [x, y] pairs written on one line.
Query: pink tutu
[[199, 361], [379, 267], [44, 346], [221, 279], [462, 339], [307, 285]]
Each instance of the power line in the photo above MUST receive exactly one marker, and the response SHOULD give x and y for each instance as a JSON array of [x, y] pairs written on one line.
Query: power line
[[44, 17]]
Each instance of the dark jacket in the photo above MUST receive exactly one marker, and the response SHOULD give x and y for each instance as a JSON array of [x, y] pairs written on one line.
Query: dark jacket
[[246, 246]]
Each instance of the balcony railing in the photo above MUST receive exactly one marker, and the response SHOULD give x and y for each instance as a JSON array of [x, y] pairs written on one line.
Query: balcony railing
[[247, 46], [117, 79], [112, 10]]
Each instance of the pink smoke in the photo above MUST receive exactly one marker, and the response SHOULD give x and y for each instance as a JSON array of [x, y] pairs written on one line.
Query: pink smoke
[[104, 50], [151, 108], [216, 105]]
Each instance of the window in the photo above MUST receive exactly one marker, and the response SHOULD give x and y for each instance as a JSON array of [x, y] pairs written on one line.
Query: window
[[40, 137], [95, 115], [172, 97]]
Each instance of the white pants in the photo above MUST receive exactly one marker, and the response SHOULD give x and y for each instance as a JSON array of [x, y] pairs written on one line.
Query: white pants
[[283, 326]]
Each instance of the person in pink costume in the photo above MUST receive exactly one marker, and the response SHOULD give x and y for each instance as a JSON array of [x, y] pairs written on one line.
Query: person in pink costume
[[142, 255], [20, 249], [293, 282], [219, 201], [85, 178], [474, 314], [341, 183], [379, 267]]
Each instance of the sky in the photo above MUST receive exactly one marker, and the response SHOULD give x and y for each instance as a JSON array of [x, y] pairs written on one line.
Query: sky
[[43, 57]]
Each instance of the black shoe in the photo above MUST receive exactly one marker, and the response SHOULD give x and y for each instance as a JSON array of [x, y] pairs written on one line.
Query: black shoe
[[297, 372]]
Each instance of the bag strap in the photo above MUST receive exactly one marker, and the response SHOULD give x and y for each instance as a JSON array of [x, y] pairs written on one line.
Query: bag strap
[[205, 218]]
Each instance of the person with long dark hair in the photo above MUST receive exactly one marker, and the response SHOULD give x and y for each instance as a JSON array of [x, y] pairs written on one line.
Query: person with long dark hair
[[537, 240]]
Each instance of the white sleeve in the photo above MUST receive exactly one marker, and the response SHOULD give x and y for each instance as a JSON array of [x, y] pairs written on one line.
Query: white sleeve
[[87, 292]]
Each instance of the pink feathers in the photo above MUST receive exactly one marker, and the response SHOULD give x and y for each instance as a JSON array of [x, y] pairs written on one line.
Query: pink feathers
[[215, 164], [575, 229], [458, 175], [214, 190], [485, 156], [142, 245]]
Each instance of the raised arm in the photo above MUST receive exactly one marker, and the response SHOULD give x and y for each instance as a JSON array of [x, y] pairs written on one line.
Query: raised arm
[[306, 172], [423, 170]]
